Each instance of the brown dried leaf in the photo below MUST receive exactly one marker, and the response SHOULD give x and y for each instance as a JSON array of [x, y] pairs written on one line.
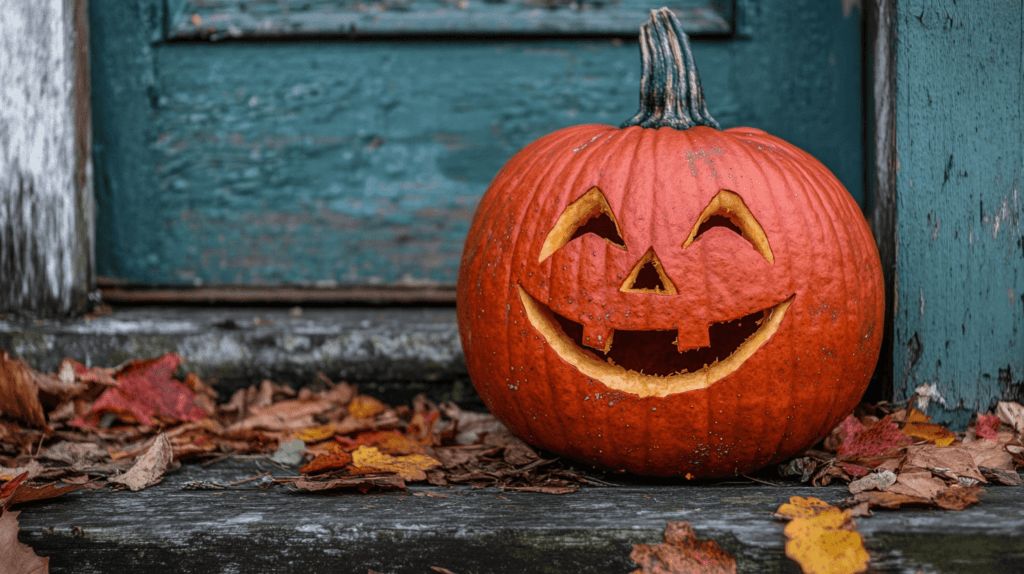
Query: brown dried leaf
[[74, 453], [990, 454], [362, 483], [958, 497], [950, 461], [18, 558], [33, 468], [879, 480], [149, 469], [1012, 415], [566, 489], [919, 484], [288, 415], [19, 393], [682, 553], [25, 493]]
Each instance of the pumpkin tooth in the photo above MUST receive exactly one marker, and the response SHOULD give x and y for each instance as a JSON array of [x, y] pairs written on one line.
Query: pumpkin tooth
[[598, 337], [693, 337]]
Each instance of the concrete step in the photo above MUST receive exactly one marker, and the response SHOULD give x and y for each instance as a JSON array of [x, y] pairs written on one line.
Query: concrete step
[[251, 529], [391, 352]]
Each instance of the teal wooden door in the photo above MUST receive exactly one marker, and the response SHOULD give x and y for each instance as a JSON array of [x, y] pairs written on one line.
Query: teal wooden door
[[308, 142]]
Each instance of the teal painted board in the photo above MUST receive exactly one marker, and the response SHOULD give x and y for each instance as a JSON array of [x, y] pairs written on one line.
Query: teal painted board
[[219, 19], [335, 163], [960, 262]]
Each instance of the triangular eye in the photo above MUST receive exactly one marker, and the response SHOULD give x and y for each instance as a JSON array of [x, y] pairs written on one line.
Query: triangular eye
[[588, 214], [648, 276], [728, 210]]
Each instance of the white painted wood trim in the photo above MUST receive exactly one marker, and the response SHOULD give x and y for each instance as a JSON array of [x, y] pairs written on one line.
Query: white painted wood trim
[[46, 197]]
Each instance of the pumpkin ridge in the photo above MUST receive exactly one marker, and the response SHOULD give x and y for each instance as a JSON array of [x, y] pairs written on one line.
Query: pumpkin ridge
[[507, 191]]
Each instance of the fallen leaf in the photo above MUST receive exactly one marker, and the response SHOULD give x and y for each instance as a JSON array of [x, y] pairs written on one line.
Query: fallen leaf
[[18, 558], [287, 415], [289, 453], [73, 453], [930, 432], [314, 435], [1000, 476], [440, 570], [880, 441], [800, 507], [1012, 415], [363, 483], [569, 489], [149, 469], [990, 454], [33, 469], [145, 392], [33, 493], [682, 553], [365, 407], [954, 462], [19, 394], [920, 484], [389, 441], [875, 481], [412, 467], [7, 491], [987, 427], [958, 497], [822, 538], [324, 462]]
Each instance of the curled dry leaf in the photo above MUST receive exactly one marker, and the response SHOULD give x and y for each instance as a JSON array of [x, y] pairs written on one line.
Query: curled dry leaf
[[879, 480], [682, 553], [16, 557], [19, 394], [149, 469], [822, 538], [920, 426], [412, 467], [1012, 415]]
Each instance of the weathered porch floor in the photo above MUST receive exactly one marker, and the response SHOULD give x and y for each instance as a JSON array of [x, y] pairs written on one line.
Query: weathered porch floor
[[251, 529]]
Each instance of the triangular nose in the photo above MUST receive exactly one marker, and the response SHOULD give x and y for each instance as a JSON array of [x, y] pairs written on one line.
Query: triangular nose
[[648, 276]]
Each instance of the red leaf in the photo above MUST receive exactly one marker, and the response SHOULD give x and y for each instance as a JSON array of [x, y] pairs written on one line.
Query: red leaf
[[146, 390], [987, 427], [880, 440]]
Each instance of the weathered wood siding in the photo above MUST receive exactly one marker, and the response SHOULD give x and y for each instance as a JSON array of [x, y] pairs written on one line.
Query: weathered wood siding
[[334, 161], [45, 158], [959, 316]]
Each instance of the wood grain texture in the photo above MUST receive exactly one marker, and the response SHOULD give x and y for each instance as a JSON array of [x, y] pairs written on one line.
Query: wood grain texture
[[960, 263], [220, 19], [249, 529], [334, 163], [45, 164]]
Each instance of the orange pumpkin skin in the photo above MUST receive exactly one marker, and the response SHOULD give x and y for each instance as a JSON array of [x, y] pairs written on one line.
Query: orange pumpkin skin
[[787, 391]]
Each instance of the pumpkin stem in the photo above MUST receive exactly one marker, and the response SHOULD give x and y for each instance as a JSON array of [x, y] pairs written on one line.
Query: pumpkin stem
[[670, 91]]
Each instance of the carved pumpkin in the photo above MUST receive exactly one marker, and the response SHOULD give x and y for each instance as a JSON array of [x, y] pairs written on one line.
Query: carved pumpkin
[[669, 298]]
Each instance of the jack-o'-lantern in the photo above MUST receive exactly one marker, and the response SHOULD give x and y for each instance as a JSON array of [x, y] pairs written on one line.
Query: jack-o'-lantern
[[669, 298]]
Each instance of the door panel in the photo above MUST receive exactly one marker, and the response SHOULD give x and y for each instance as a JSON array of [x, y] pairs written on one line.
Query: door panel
[[329, 161]]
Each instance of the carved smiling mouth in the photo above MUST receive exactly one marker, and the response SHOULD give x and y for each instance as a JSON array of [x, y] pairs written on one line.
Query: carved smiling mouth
[[648, 363]]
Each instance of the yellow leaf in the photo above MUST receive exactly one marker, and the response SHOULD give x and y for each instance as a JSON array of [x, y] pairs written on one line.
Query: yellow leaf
[[822, 538], [931, 432], [316, 434], [831, 552], [800, 507], [411, 467], [365, 407], [916, 416]]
